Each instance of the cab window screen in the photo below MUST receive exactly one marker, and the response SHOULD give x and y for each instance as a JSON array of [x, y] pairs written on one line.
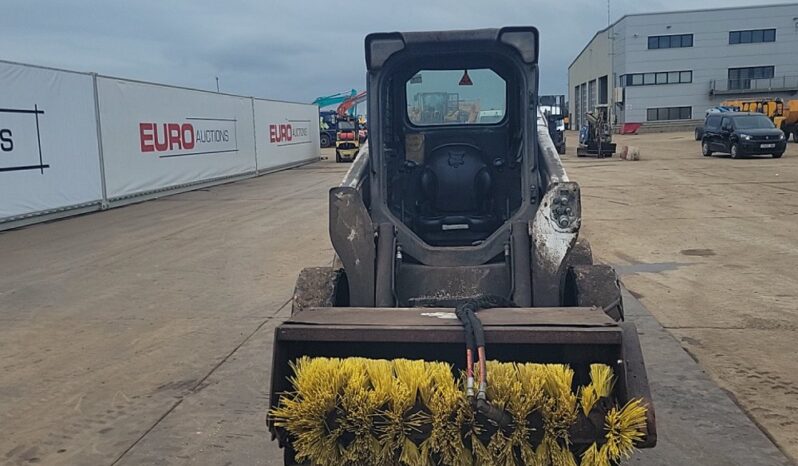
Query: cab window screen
[[456, 97]]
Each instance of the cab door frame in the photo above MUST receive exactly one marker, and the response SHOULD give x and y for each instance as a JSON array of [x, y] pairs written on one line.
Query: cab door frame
[[723, 140]]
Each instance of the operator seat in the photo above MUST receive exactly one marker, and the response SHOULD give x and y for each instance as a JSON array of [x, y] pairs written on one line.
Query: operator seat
[[456, 187]]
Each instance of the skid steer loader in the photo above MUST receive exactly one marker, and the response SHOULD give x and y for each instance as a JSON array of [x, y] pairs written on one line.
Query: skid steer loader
[[442, 207]]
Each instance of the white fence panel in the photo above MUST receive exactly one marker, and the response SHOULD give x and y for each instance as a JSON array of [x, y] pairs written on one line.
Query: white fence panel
[[287, 133], [49, 157], [158, 137]]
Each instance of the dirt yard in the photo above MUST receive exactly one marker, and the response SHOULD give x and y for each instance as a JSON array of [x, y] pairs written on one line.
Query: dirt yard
[[710, 247], [143, 335]]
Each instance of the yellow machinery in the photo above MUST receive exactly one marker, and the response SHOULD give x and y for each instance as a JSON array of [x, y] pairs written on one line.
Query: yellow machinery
[[768, 106], [783, 114], [788, 121], [347, 141]]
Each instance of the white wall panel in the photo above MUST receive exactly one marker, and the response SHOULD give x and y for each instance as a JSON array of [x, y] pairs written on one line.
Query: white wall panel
[[48, 141], [156, 137], [287, 133]]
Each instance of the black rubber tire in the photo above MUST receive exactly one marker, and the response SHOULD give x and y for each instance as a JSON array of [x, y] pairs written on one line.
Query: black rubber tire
[[324, 140], [778, 155], [337, 157], [705, 149], [580, 254], [794, 136], [735, 151], [698, 135], [320, 287], [594, 286]]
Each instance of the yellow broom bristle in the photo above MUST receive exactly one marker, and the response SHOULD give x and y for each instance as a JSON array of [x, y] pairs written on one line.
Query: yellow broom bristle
[[562, 456], [413, 413], [533, 379], [412, 375], [625, 428], [380, 372], [601, 382], [517, 389], [602, 379], [559, 378], [317, 384], [542, 457], [550, 453], [559, 409], [359, 405], [595, 456], [449, 411], [501, 377], [400, 422]]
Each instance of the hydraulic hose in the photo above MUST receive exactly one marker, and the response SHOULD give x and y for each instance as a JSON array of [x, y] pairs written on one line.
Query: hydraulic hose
[[475, 339], [468, 330], [499, 416]]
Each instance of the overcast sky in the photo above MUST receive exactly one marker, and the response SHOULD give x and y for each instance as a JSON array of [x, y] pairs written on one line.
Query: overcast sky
[[292, 49]]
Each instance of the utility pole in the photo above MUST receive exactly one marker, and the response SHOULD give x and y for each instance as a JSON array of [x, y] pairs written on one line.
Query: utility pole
[[611, 77], [217, 84]]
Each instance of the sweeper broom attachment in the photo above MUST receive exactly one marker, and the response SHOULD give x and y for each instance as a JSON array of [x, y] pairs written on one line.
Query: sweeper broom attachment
[[575, 392], [464, 322], [412, 412]]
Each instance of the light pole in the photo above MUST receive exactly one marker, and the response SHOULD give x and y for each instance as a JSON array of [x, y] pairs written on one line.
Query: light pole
[[217, 84], [611, 84]]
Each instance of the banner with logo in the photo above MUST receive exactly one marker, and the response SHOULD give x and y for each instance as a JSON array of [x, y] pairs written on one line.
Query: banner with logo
[[287, 133], [159, 137], [49, 157]]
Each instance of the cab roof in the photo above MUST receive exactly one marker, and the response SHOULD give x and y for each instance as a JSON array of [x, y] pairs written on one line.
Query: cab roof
[[381, 45]]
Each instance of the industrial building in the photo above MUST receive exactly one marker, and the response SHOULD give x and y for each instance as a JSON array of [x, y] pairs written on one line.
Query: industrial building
[[667, 68]]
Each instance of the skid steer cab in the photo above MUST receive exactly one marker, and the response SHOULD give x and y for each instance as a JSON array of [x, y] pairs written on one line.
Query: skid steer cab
[[456, 233], [347, 140]]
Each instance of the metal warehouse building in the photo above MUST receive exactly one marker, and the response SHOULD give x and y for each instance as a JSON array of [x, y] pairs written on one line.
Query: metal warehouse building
[[666, 68]]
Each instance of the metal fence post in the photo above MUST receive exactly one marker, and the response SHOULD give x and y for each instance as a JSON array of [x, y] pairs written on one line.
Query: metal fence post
[[104, 203], [254, 133]]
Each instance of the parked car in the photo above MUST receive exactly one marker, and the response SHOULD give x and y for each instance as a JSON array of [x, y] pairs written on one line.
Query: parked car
[[699, 130], [741, 134]]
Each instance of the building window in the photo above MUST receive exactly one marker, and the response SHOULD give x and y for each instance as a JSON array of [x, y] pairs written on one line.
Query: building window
[[670, 42], [583, 94], [753, 36], [602, 90], [662, 77], [740, 78], [669, 113]]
